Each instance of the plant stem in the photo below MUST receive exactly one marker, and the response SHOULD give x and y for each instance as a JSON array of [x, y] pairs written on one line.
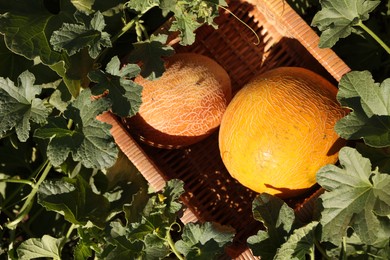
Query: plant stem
[[344, 249], [67, 235], [373, 35], [23, 226], [125, 28], [322, 251], [15, 193], [172, 245], [29, 201], [312, 253], [70, 230], [70, 123], [20, 181]]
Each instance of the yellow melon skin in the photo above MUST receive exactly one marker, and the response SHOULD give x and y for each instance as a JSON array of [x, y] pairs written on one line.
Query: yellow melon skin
[[277, 131], [184, 105]]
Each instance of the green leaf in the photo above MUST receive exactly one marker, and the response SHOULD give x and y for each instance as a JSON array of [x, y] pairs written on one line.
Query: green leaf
[[171, 195], [150, 53], [27, 27], [167, 6], [83, 5], [74, 71], [149, 224], [300, 244], [356, 197], [370, 104], [337, 18], [373, 97], [123, 171], [355, 248], [186, 25], [19, 105], [89, 141], [90, 239], [75, 200], [46, 246], [11, 64], [82, 251], [123, 247], [203, 241], [123, 193], [190, 15], [62, 140], [150, 220], [155, 247], [59, 99], [124, 94], [133, 210], [31, 39], [142, 7], [74, 37], [73, 85], [278, 219]]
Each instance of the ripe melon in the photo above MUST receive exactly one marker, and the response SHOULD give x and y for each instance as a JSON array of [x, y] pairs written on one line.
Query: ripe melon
[[184, 105], [277, 131]]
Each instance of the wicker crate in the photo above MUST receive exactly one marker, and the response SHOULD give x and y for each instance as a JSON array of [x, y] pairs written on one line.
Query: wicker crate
[[211, 194]]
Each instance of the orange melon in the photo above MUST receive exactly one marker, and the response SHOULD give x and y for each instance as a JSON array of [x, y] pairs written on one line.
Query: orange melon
[[184, 105], [278, 131]]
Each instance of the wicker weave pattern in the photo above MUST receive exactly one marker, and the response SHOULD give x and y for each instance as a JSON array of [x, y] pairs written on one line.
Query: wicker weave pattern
[[211, 194]]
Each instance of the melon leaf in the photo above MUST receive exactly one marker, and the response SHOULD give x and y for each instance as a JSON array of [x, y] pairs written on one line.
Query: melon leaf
[[83, 5], [278, 219], [357, 197], [122, 247], [203, 241], [89, 140], [370, 104], [190, 15], [150, 53], [142, 7], [12, 64], [31, 39], [338, 17], [75, 200], [299, 244], [19, 105], [123, 92], [74, 37], [84, 199], [186, 26], [74, 71], [90, 240], [47, 246]]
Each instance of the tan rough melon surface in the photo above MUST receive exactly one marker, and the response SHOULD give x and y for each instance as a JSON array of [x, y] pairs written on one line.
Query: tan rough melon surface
[[277, 132], [185, 104]]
